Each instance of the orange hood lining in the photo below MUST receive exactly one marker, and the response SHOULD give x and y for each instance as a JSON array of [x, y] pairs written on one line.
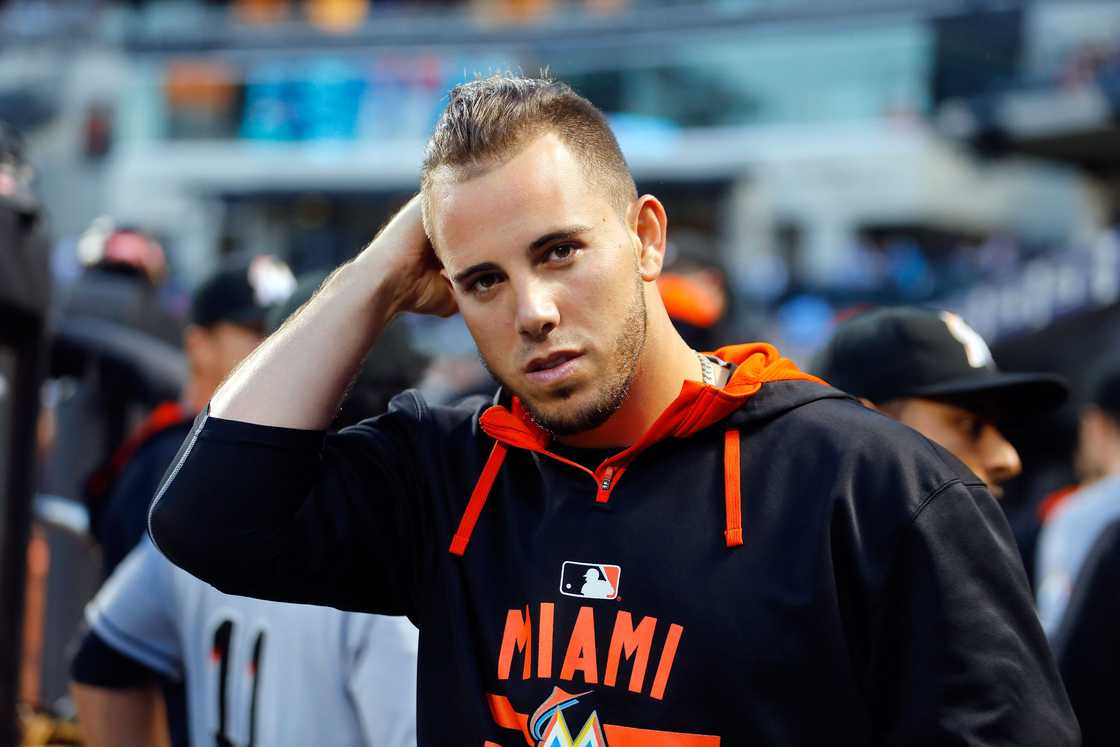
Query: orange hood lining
[[698, 406]]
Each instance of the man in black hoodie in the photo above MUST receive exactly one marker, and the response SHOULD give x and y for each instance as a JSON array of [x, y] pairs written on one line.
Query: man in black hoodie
[[781, 565]]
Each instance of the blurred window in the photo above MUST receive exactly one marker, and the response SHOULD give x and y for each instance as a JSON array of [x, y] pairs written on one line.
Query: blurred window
[[757, 76], [201, 97], [765, 77]]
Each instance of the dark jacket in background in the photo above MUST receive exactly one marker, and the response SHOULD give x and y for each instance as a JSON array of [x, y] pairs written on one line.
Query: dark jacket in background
[[1087, 643]]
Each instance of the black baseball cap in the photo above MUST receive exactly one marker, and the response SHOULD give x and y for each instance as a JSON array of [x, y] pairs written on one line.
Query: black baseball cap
[[242, 291], [892, 353]]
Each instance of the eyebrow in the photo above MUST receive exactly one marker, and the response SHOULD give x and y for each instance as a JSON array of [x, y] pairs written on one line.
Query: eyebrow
[[568, 232], [475, 270]]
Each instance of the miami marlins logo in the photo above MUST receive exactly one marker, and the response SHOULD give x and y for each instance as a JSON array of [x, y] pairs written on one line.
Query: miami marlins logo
[[550, 728], [547, 727]]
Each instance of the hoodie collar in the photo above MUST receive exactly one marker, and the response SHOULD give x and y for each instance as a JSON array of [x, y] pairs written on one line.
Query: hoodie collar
[[697, 407]]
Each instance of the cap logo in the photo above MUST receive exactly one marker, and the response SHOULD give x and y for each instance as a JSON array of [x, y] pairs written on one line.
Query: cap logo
[[271, 279], [975, 349]]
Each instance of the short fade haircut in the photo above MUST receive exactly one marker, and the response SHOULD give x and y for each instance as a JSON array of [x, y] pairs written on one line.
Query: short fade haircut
[[490, 120]]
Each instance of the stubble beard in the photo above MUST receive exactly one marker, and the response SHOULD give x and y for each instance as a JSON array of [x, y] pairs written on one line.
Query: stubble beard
[[613, 387]]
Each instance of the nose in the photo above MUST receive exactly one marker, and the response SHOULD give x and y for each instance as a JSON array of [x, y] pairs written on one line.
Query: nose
[[537, 314], [998, 457]]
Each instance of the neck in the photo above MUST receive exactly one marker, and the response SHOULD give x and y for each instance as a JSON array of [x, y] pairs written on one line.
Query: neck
[[665, 363]]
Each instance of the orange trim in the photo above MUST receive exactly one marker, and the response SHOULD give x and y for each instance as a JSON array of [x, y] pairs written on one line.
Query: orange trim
[[478, 499], [617, 736], [698, 406], [506, 717], [731, 489], [1051, 502], [608, 475], [625, 736], [165, 415]]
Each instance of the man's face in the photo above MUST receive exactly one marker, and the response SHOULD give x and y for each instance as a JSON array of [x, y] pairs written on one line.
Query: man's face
[[969, 437], [545, 273], [213, 352]]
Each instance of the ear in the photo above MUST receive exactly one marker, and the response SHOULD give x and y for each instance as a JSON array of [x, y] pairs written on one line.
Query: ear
[[198, 347], [1098, 428], [649, 225]]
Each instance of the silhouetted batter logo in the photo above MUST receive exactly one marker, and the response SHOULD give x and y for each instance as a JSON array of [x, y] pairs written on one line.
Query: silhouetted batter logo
[[589, 580]]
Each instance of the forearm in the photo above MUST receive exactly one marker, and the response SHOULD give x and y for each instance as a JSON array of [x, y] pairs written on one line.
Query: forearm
[[298, 376], [121, 718]]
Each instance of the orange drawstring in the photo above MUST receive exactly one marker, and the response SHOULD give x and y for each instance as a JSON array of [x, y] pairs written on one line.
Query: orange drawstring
[[731, 484], [732, 496], [478, 499]]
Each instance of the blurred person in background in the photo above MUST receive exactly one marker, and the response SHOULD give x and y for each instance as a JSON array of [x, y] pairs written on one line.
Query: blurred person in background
[[111, 325], [931, 371], [123, 269], [1086, 641], [1079, 566], [115, 354], [1074, 525], [256, 672], [694, 288], [228, 317]]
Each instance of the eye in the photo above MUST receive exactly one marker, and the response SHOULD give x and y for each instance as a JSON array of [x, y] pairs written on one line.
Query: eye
[[483, 283], [562, 252], [972, 425]]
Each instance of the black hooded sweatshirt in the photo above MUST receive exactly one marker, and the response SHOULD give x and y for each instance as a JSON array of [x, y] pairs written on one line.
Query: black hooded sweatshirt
[[771, 564]]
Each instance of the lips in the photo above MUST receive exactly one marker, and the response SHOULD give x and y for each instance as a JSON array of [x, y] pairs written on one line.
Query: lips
[[554, 367], [550, 361]]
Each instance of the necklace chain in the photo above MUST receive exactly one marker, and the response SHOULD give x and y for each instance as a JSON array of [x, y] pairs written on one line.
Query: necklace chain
[[707, 369]]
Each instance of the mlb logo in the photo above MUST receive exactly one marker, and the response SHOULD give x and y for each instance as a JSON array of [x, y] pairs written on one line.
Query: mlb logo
[[589, 580]]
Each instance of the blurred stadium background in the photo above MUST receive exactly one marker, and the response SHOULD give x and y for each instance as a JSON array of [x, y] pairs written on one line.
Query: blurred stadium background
[[828, 155]]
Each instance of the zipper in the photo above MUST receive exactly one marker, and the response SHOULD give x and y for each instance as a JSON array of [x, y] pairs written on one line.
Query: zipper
[[606, 482], [605, 477]]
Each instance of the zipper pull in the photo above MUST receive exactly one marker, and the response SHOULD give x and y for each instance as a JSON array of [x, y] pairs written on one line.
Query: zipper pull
[[603, 494]]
